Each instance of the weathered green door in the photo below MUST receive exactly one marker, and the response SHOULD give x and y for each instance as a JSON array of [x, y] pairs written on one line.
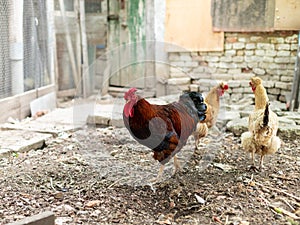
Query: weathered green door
[[131, 57]]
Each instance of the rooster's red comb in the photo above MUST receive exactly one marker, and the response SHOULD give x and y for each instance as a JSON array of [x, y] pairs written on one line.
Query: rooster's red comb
[[130, 92]]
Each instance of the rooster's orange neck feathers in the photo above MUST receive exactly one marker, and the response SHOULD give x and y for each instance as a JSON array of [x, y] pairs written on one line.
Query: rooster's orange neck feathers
[[131, 99]]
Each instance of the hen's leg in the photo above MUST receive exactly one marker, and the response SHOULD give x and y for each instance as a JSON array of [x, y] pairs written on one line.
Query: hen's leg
[[177, 166], [261, 163], [253, 158], [253, 167]]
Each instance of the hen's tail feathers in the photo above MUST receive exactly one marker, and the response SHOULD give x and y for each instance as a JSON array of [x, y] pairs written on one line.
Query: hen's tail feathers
[[197, 103], [266, 115]]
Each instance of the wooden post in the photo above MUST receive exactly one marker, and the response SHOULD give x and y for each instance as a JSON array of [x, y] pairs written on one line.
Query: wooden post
[[78, 50], [51, 42], [92, 66], [84, 68], [161, 55], [150, 46], [294, 102], [16, 46], [112, 42], [69, 43]]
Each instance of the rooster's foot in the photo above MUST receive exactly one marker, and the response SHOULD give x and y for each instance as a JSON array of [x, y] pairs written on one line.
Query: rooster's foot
[[177, 167]]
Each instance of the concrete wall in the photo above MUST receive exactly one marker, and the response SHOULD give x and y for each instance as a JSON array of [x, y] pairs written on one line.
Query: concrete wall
[[268, 55]]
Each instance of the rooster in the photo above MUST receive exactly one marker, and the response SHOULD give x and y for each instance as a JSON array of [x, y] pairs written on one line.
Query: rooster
[[263, 125], [163, 128], [213, 101]]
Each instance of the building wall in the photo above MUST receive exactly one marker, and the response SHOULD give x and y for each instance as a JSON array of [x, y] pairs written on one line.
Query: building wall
[[269, 55]]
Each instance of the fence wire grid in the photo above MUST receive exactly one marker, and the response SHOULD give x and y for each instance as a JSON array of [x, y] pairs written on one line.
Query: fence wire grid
[[23, 46]]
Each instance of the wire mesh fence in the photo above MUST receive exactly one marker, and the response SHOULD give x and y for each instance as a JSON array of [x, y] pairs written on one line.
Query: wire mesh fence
[[5, 87], [24, 50]]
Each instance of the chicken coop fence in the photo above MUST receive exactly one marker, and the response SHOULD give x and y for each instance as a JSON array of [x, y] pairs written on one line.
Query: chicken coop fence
[[24, 46]]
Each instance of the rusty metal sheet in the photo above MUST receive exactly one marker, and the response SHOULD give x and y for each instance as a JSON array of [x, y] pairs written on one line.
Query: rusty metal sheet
[[246, 15], [287, 14]]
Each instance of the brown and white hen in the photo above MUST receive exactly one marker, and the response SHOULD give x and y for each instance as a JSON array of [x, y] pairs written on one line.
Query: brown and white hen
[[261, 138]]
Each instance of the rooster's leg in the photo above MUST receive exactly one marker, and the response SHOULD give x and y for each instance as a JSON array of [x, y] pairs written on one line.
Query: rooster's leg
[[196, 144], [197, 140], [176, 165], [159, 175], [160, 172]]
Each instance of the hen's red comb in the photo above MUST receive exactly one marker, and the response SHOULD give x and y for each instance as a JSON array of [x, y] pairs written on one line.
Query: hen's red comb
[[226, 86]]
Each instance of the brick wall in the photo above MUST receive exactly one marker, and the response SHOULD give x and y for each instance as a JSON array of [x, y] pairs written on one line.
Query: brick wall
[[270, 56]]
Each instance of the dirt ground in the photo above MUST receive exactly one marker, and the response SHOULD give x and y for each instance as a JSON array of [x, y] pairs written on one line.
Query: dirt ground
[[102, 176]]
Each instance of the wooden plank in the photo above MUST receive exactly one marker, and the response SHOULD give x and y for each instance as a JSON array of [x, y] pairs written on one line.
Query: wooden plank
[[65, 78], [127, 61], [78, 48], [9, 107], [67, 93], [150, 78], [69, 14], [60, 27], [44, 218], [56, 70], [96, 27], [96, 38], [45, 90], [287, 14], [69, 43], [18, 106], [94, 23], [25, 100], [112, 74], [51, 41], [133, 63], [92, 66], [246, 15], [8, 104], [84, 51], [189, 26]]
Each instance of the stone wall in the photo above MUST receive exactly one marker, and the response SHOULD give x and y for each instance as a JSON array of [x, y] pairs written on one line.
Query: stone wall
[[269, 55]]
